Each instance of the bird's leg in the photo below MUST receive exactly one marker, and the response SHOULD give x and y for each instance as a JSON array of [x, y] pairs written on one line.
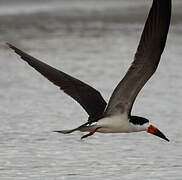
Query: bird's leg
[[90, 133]]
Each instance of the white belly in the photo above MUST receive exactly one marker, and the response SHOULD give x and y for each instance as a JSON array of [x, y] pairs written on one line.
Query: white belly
[[116, 124]]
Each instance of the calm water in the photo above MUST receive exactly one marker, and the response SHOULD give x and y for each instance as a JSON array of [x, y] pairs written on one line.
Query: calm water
[[96, 46]]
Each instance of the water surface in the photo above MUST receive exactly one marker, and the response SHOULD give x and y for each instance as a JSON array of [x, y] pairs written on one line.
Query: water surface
[[97, 50]]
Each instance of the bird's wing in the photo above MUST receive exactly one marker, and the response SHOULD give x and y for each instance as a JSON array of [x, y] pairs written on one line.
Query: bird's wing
[[146, 59], [89, 98]]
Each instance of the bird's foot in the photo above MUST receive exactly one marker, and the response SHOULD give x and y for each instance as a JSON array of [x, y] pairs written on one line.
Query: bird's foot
[[90, 133]]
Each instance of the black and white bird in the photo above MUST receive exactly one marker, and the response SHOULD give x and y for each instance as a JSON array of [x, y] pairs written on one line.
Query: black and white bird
[[115, 117]]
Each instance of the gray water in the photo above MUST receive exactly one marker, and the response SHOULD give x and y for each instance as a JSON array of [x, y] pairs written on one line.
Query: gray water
[[94, 42]]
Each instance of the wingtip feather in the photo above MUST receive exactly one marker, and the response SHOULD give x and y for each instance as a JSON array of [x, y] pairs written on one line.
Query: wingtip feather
[[9, 45]]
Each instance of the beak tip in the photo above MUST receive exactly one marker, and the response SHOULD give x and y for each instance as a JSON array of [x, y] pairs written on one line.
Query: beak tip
[[153, 130]]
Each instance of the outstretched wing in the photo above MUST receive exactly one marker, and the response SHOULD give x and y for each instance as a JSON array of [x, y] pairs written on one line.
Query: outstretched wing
[[146, 59], [89, 98]]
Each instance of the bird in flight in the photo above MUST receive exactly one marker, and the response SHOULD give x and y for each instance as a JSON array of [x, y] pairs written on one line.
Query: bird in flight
[[115, 116]]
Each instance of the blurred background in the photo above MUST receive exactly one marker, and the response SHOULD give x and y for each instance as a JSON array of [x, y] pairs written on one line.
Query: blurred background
[[38, 18], [94, 41]]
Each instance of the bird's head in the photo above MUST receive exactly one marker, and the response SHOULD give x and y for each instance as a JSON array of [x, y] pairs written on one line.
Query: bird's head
[[142, 124], [153, 130]]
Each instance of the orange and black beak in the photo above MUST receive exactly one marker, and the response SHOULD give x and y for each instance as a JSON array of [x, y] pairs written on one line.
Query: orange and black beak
[[153, 130]]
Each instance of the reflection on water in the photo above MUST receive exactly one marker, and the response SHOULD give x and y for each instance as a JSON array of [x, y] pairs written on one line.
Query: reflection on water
[[98, 53]]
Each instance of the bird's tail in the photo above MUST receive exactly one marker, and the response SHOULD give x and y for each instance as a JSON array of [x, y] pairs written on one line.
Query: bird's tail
[[71, 130], [66, 131]]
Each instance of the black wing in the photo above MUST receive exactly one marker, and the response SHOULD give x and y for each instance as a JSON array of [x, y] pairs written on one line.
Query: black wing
[[146, 59], [89, 98]]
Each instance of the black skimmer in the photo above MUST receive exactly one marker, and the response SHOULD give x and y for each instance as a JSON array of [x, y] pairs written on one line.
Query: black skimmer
[[115, 117]]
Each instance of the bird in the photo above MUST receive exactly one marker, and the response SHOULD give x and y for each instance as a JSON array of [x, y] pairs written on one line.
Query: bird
[[115, 116]]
